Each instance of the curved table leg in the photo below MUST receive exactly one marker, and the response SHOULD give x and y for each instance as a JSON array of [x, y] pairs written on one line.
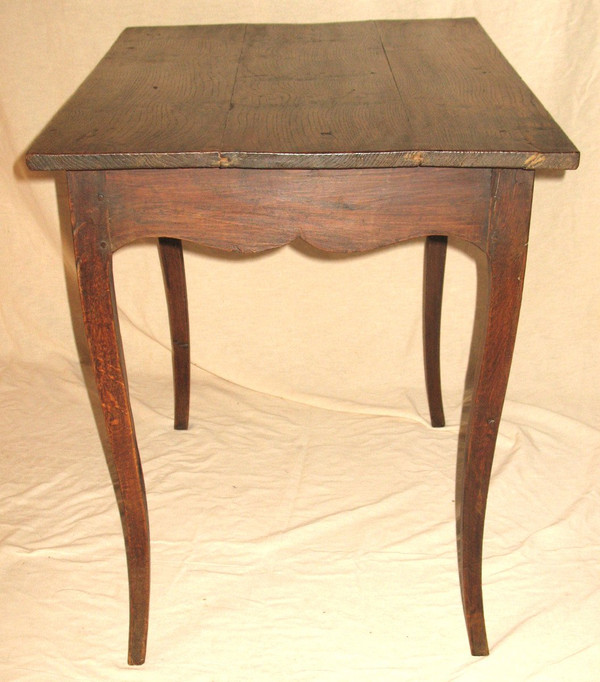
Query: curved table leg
[[433, 284], [171, 258], [94, 271], [506, 251]]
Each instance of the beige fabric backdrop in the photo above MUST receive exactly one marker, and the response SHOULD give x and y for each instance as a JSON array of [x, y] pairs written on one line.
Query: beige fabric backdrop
[[302, 528]]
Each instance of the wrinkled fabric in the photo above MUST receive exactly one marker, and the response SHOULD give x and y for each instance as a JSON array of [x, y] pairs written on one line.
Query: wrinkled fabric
[[303, 527]]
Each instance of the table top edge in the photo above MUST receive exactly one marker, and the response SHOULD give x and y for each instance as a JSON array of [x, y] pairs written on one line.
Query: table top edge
[[527, 160]]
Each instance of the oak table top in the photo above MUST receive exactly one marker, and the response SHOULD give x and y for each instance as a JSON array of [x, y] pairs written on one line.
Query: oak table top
[[341, 95]]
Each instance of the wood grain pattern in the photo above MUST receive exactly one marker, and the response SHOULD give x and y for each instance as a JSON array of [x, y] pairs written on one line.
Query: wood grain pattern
[[506, 249], [245, 138], [336, 211], [94, 274], [158, 92], [315, 88], [345, 95], [466, 92]]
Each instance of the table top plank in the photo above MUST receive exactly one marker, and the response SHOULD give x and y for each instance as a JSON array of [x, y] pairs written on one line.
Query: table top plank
[[341, 95], [321, 89], [458, 89], [157, 92]]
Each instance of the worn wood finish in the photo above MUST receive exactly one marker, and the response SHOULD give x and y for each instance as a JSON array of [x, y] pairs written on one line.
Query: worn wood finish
[[341, 95], [171, 259], [435, 261], [93, 260], [159, 94], [245, 138], [332, 210], [506, 250], [459, 90]]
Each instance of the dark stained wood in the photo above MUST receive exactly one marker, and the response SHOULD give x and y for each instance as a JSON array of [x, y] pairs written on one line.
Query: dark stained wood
[[319, 88], [506, 249], [171, 259], [460, 94], [345, 95], [332, 210], [158, 94], [245, 138], [94, 273], [433, 284]]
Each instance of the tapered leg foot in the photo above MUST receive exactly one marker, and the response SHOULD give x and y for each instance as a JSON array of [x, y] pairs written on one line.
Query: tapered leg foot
[[435, 261], [506, 252], [171, 258], [93, 259]]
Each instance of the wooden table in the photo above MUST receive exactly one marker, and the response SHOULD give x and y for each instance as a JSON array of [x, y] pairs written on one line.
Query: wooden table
[[351, 136]]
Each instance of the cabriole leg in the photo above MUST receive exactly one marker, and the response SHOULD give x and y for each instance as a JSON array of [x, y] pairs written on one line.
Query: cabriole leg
[[433, 284], [93, 259], [171, 258], [506, 250]]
